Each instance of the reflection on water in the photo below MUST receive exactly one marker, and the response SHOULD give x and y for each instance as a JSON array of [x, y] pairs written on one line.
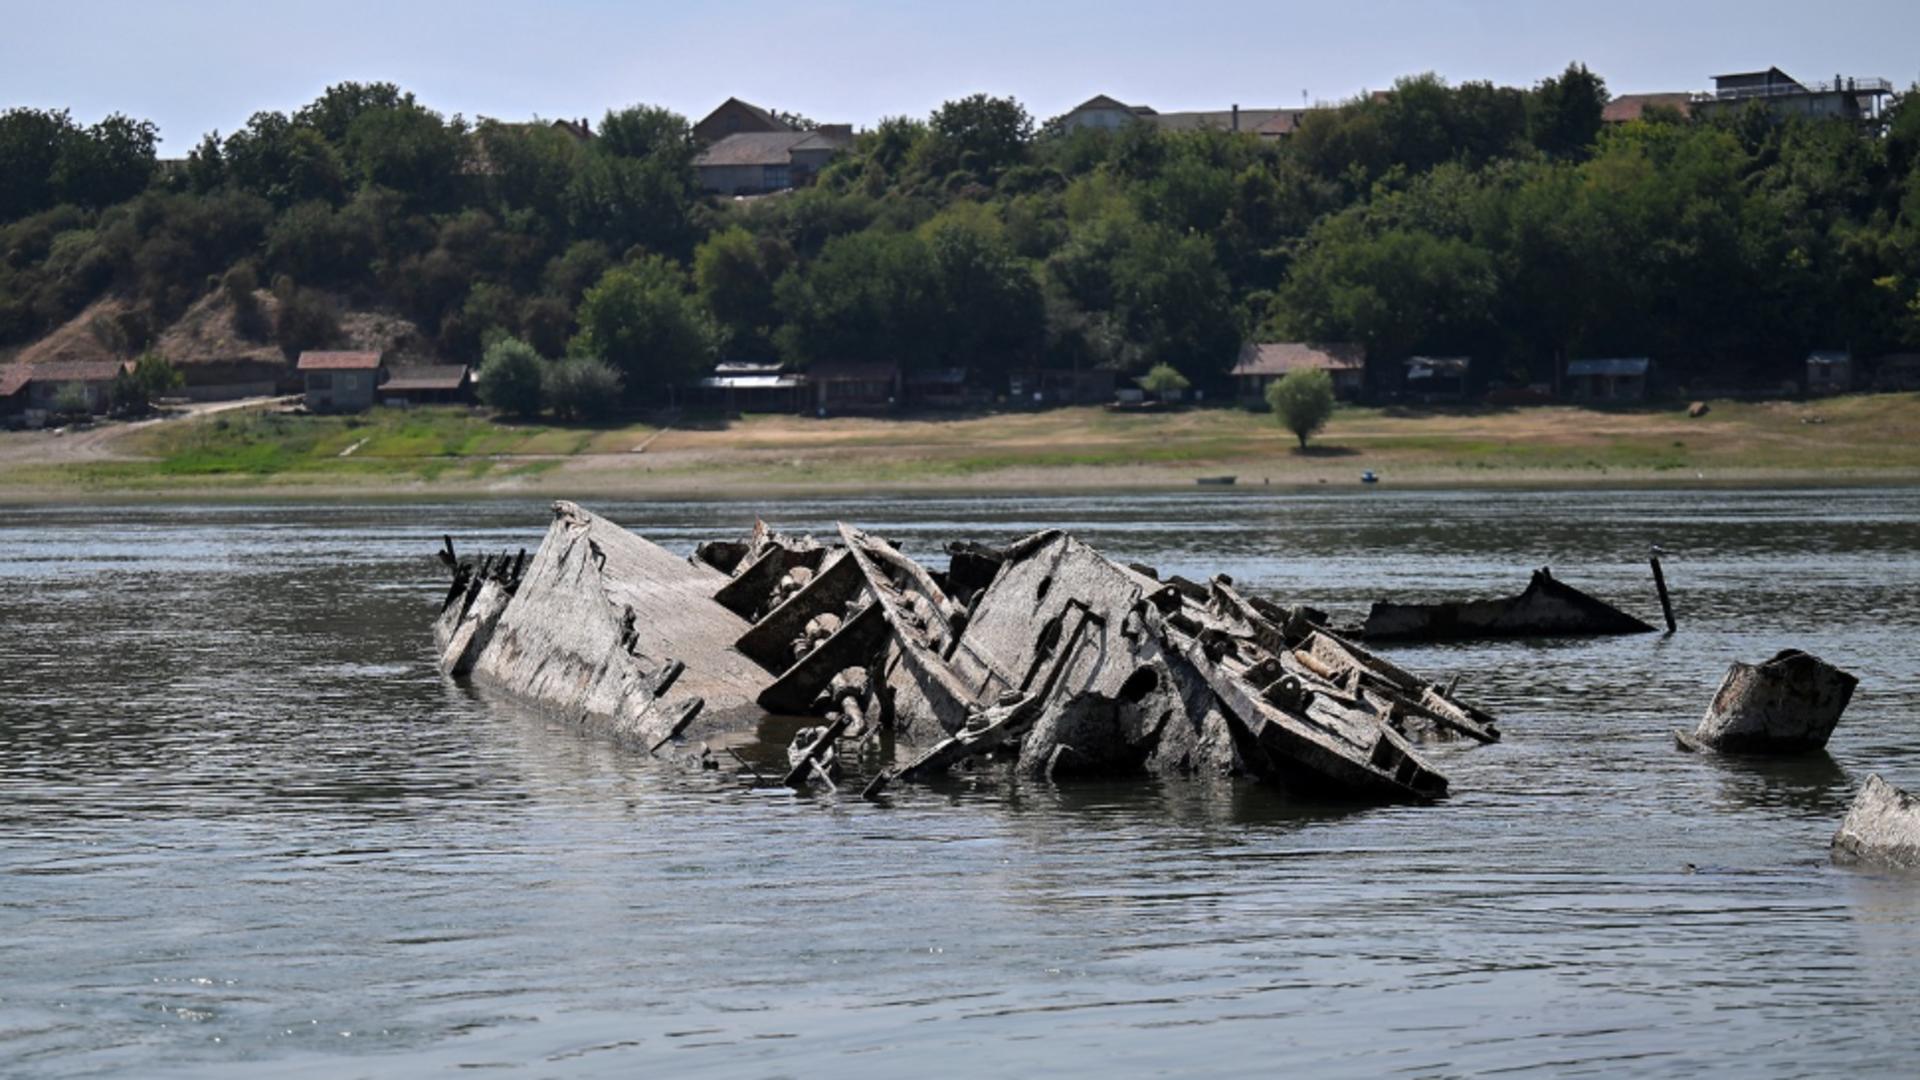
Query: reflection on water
[[245, 826]]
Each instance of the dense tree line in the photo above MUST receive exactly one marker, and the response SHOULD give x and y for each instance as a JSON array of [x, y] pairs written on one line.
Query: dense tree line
[[1499, 222]]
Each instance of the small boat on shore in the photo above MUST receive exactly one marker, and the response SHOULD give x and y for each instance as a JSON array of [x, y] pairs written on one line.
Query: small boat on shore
[[1218, 481]]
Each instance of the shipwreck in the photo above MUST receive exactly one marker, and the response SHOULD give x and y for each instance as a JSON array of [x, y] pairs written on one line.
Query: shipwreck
[[1548, 607], [1043, 656]]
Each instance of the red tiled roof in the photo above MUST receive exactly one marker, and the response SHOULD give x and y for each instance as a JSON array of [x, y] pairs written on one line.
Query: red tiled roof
[[339, 361], [1279, 358], [62, 371], [426, 377], [1249, 120], [1630, 107], [14, 377]]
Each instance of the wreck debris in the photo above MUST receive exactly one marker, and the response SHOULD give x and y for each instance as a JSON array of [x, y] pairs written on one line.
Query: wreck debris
[[1882, 826], [610, 630], [1044, 653], [1547, 608], [1660, 586], [770, 569], [473, 604], [1790, 704]]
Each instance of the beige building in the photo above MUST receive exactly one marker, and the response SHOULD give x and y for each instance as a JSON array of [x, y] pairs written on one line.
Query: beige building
[[736, 117], [1108, 114], [1261, 364], [36, 388], [341, 381], [763, 162]]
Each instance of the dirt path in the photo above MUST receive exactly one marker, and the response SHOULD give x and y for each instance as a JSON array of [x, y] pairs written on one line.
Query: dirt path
[[101, 440]]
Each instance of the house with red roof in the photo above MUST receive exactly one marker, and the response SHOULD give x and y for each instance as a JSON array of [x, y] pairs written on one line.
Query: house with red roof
[[1262, 363], [341, 381]]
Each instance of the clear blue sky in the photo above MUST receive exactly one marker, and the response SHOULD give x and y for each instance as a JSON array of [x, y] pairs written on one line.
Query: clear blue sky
[[197, 66]]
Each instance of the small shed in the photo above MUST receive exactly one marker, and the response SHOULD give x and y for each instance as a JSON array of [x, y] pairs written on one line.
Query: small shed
[[1611, 379], [341, 381], [1829, 371], [36, 388], [738, 387], [1437, 378], [428, 384], [854, 387], [1262, 363]]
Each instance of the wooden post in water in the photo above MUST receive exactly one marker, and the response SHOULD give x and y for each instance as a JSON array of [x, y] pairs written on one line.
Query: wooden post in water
[[1660, 584]]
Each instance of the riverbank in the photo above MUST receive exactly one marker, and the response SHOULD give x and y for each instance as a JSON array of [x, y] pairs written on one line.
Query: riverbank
[[1860, 439]]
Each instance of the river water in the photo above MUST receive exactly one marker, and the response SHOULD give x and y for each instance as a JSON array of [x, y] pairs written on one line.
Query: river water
[[246, 828]]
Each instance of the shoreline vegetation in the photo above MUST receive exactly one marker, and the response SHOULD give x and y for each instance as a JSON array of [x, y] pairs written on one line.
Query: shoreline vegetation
[[596, 270], [457, 452]]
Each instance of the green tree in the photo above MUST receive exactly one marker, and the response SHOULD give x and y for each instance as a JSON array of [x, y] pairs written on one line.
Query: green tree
[[1396, 290], [647, 131], [869, 297], [1164, 381], [409, 150], [981, 134], [304, 319], [110, 163], [734, 273], [284, 162], [1302, 402], [151, 377], [581, 388], [50, 160], [642, 319], [528, 167], [1563, 113], [333, 113], [31, 141], [989, 312], [510, 378]]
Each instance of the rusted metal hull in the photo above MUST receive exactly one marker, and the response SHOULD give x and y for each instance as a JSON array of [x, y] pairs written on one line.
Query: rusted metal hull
[[1547, 608], [1062, 661]]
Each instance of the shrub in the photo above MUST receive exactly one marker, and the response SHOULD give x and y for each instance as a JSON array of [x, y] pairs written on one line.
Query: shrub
[[1303, 401], [1163, 381], [510, 377], [72, 399], [582, 388], [152, 375], [305, 319]]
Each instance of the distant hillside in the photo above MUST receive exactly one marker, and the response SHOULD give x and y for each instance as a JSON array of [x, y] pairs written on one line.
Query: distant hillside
[[213, 344], [1511, 225]]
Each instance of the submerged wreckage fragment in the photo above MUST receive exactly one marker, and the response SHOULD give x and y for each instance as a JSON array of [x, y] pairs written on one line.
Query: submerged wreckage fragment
[[1058, 660], [1788, 705], [616, 633], [1882, 826], [1547, 608]]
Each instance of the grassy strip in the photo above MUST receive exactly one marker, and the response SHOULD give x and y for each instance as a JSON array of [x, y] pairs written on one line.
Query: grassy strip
[[1865, 434]]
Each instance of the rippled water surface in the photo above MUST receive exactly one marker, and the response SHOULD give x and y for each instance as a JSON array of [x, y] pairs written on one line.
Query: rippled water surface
[[246, 828]]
